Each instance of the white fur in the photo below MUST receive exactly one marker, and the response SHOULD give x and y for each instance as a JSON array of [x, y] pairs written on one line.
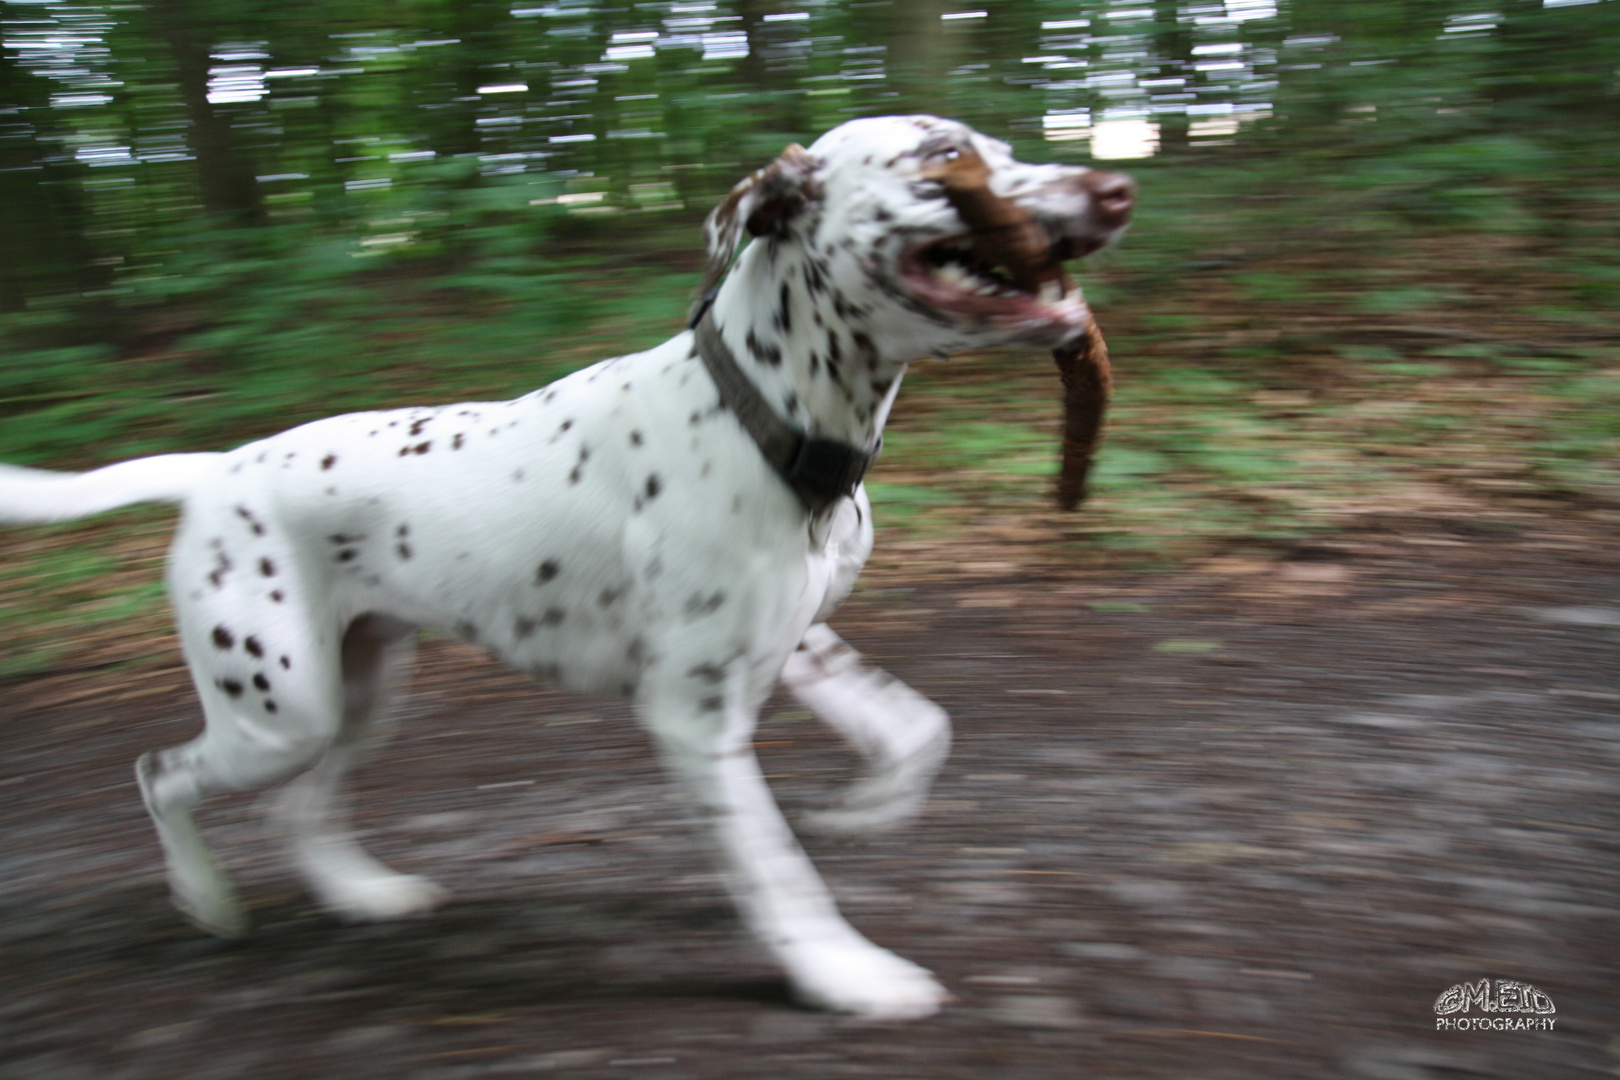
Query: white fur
[[616, 532]]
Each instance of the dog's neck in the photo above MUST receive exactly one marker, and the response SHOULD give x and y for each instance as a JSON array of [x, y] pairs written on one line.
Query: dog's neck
[[802, 343]]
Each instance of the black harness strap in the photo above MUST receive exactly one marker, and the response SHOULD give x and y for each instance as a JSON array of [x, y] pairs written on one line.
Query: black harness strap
[[820, 471]]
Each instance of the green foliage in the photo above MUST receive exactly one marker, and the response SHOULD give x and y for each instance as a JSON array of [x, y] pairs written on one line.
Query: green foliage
[[408, 237]]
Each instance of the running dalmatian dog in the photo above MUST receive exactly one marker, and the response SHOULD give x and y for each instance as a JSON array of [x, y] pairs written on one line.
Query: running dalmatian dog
[[673, 526]]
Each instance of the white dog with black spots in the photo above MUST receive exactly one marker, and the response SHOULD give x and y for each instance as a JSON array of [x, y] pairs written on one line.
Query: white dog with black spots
[[618, 532]]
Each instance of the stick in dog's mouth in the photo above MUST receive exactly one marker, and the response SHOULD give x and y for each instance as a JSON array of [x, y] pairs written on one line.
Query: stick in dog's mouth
[[1003, 234], [1007, 237]]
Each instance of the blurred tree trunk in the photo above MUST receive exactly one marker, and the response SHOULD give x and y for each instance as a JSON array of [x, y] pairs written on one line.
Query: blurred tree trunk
[[42, 224], [1174, 44], [479, 28], [920, 53], [776, 90], [224, 172]]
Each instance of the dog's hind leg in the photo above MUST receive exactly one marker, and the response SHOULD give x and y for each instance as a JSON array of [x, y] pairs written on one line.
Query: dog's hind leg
[[904, 737], [705, 733], [249, 742], [377, 653], [173, 782]]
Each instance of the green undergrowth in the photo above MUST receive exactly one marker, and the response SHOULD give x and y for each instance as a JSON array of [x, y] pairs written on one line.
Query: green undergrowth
[[1276, 375]]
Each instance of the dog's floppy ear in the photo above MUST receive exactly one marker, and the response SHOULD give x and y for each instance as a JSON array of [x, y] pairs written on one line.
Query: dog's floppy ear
[[765, 203]]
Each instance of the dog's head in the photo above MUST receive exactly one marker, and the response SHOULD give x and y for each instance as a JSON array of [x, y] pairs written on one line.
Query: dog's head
[[927, 228]]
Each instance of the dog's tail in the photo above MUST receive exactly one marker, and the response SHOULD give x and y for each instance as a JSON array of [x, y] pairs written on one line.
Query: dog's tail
[[35, 496]]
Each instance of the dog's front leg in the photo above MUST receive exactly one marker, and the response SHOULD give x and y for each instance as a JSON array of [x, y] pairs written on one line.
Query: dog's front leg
[[705, 737], [904, 737]]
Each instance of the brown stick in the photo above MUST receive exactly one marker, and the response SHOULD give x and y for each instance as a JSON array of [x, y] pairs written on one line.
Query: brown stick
[[1003, 232], [1006, 234], [1087, 386]]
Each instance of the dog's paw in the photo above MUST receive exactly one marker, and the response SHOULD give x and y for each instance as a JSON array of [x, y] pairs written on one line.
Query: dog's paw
[[891, 795], [219, 914], [382, 897], [860, 978]]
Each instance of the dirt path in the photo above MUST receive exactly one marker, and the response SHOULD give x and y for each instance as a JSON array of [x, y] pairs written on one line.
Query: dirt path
[[1245, 823]]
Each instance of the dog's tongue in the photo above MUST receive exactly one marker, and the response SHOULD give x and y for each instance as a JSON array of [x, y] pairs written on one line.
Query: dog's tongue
[[1004, 233]]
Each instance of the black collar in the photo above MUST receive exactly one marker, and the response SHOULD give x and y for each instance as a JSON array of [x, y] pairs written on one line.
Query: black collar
[[820, 471]]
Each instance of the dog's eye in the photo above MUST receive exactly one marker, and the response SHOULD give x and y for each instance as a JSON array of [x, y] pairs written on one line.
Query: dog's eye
[[948, 153]]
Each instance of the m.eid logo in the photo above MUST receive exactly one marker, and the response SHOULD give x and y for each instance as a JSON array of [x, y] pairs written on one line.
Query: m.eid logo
[[1509, 997]]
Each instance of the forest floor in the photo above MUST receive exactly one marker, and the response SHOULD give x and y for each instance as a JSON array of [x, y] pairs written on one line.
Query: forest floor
[[1247, 818]]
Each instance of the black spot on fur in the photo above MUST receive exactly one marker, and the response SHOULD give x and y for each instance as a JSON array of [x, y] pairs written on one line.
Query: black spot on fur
[[713, 674], [523, 627], [345, 538], [698, 605], [422, 447], [712, 704], [403, 550], [328, 461], [864, 348], [267, 568], [791, 402], [455, 443], [766, 353], [403, 530], [285, 663], [253, 523], [416, 428], [784, 314], [231, 687], [260, 682], [635, 438], [636, 651], [223, 638], [654, 486], [347, 555], [269, 706], [251, 644], [547, 571], [553, 616], [608, 597], [275, 596]]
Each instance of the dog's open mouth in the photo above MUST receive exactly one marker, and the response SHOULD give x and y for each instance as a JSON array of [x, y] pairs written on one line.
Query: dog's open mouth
[[987, 275], [1007, 266]]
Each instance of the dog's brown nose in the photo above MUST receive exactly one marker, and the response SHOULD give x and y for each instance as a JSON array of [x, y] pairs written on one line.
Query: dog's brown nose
[[1112, 195]]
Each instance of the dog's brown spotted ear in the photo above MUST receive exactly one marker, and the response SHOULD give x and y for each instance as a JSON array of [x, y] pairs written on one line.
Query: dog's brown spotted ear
[[765, 204]]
